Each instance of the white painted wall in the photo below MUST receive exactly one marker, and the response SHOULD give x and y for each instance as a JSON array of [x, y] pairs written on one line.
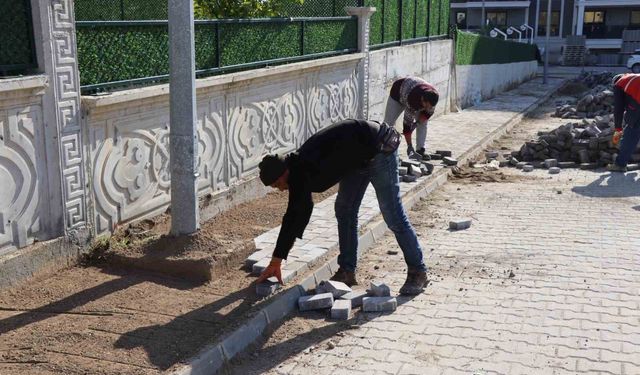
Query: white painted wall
[[241, 118], [476, 83], [430, 61]]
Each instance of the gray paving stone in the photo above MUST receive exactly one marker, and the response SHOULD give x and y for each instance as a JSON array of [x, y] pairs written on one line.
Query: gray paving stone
[[444, 153], [550, 163], [449, 161], [315, 302], [409, 178], [379, 289], [336, 288], [355, 297], [379, 304], [527, 168], [491, 154], [403, 171], [267, 288], [567, 164], [258, 267], [554, 170], [586, 166], [341, 310], [460, 224]]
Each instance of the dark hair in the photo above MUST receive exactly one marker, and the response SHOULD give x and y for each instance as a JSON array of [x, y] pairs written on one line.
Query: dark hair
[[431, 97], [271, 168]]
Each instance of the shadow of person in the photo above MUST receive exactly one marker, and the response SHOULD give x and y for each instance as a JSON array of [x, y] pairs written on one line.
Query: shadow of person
[[301, 339], [613, 185]]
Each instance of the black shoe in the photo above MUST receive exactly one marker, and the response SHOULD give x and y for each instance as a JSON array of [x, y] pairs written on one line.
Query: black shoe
[[415, 284], [423, 154], [346, 277]]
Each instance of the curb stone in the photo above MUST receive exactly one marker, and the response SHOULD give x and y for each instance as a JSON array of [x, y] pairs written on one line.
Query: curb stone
[[213, 358]]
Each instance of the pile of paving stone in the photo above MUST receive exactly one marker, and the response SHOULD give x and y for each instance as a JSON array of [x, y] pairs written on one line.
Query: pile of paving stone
[[598, 101], [410, 170], [341, 299]]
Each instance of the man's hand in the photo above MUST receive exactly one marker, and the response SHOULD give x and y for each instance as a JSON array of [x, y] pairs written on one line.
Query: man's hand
[[616, 137], [273, 269]]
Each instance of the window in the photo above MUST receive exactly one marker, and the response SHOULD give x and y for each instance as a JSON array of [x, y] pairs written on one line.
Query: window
[[555, 24], [497, 18], [635, 17], [594, 17]]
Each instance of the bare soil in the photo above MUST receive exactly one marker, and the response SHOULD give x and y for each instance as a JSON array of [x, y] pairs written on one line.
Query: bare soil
[[125, 311]]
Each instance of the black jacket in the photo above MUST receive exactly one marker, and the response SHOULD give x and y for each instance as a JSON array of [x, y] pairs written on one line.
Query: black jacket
[[321, 162]]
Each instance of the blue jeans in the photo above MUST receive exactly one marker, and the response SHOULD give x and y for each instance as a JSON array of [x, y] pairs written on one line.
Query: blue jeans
[[382, 172], [630, 139]]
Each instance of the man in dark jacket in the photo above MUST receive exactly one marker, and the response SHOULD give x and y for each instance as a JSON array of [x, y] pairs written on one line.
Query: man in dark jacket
[[626, 92], [353, 153]]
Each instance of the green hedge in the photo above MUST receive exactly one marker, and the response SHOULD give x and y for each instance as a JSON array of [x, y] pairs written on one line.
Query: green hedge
[[420, 18], [16, 47], [109, 53], [473, 49]]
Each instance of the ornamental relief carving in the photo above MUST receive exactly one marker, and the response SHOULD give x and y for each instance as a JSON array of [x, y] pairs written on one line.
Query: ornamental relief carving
[[19, 154], [330, 102]]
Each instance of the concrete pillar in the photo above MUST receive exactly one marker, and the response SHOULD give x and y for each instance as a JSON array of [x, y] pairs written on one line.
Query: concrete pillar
[[580, 24], [55, 39], [364, 16], [574, 19], [183, 132], [535, 32], [561, 19], [526, 15]]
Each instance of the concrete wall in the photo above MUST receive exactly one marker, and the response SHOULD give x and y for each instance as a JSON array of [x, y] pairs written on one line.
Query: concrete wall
[[241, 117], [480, 82], [431, 61]]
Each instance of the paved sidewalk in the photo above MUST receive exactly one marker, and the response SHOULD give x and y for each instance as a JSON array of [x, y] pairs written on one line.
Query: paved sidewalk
[[546, 281], [458, 132]]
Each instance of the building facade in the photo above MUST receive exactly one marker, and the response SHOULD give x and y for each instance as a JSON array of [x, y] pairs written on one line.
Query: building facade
[[602, 22]]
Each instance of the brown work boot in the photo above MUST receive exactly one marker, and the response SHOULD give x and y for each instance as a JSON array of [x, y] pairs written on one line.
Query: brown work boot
[[415, 284], [346, 277]]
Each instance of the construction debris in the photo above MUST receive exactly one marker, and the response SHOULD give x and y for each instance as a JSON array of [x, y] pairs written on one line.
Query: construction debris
[[460, 224]]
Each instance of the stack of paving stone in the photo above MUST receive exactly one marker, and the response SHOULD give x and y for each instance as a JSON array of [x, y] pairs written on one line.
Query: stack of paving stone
[[342, 300], [597, 101], [411, 170]]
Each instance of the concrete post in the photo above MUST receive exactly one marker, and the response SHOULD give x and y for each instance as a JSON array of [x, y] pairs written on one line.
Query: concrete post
[[561, 30], [580, 24], [364, 16], [546, 44], [183, 136], [535, 32]]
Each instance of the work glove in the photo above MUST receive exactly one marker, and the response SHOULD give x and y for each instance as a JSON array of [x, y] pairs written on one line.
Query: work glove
[[273, 269], [616, 137]]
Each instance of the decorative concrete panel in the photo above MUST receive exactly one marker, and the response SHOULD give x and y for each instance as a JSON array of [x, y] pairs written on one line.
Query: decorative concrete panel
[[238, 124], [21, 168]]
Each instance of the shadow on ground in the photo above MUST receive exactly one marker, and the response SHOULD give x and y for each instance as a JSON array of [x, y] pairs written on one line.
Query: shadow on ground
[[612, 185]]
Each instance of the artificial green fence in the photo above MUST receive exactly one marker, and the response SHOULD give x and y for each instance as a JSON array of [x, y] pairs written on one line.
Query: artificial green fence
[[396, 22], [473, 49], [17, 47], [122, 53]]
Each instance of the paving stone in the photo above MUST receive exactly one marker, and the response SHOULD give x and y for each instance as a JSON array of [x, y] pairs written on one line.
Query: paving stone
[[315, 302], [336, 288], [521, 164], [341, 310], [355, 297], [403, 171], [258, 267], [449, 161], [491, 154], [267, 288], [460, 224], [633, 167], [527, 168], [415, 171], [379, 304], [444, 153], [379, 289], [409, 178], [586, 166], [550, 163], [567, 164], [554, 170], [435, 156], [408, 163], [513, 161]]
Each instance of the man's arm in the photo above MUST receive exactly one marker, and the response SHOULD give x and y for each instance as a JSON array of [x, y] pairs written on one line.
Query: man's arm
[[295, 220], [618, 109]]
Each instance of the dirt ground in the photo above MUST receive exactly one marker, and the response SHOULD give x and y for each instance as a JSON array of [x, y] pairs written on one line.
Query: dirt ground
[[110, 317], [311, 333]]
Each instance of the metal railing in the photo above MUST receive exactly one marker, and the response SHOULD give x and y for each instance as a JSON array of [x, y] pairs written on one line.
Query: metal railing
[[17, 46], [398, 22], [124, 53]]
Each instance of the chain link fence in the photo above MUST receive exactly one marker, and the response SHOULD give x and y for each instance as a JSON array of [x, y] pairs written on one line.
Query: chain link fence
[[17, 50]]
